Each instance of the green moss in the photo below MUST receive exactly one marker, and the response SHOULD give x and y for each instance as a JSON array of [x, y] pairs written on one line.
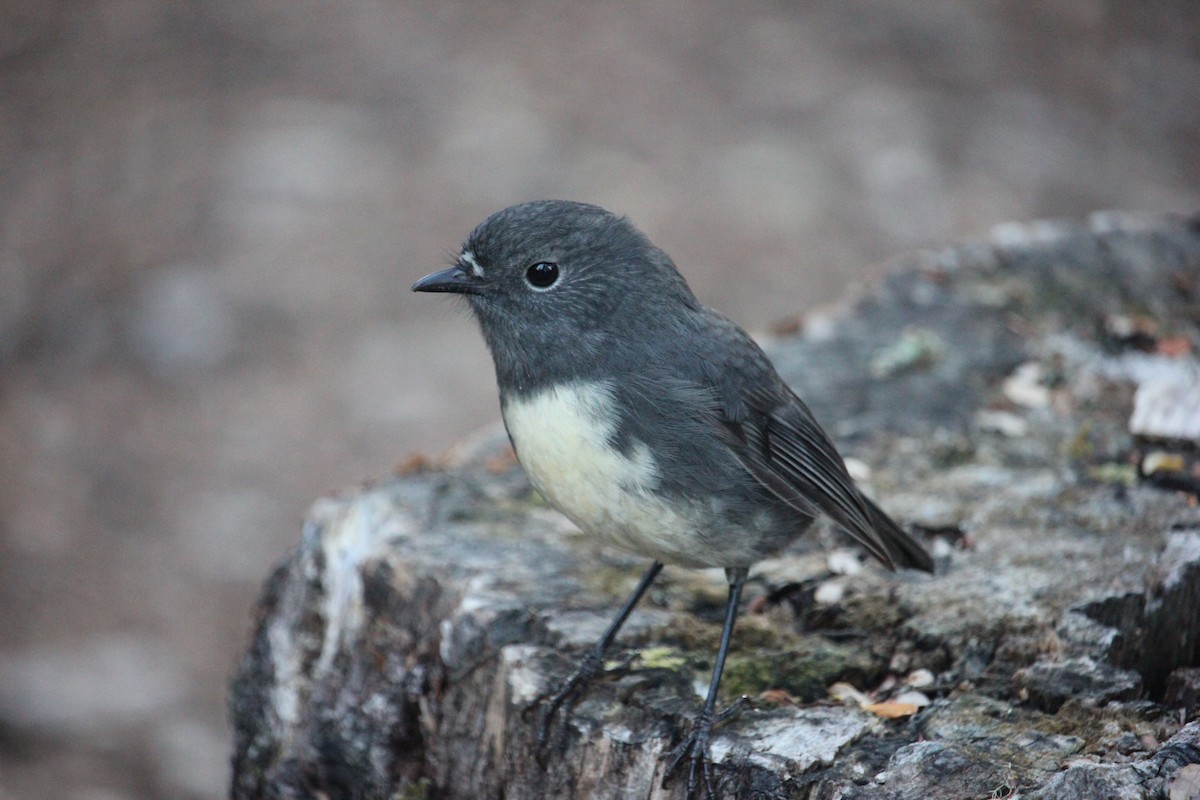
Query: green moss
[[661, 658], [413, 791], [1112, 472], [916, 349], [765, 656], [803, 672], [1081, 447]]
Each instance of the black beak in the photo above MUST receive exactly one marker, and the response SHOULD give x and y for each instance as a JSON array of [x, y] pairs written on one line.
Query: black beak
[[452, 279]]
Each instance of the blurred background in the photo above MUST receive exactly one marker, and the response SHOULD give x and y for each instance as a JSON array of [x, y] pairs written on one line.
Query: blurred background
[[211, 213]]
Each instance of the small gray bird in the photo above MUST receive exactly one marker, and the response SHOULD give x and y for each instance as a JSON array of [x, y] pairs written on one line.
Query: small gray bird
[[652, 422]]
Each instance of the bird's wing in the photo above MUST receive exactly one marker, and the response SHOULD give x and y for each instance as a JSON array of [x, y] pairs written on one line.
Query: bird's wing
[[785, 449], [777, 439]]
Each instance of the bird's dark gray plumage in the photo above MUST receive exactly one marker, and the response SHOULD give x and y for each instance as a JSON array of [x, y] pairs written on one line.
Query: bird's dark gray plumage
[[725, 432], [647, 418]]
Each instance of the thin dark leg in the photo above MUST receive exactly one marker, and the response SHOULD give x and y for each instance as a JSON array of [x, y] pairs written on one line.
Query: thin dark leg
[[695, 746], [593, 663]]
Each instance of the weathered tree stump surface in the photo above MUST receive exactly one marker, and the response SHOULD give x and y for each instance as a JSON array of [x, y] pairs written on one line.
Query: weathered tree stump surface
[[986, 392]]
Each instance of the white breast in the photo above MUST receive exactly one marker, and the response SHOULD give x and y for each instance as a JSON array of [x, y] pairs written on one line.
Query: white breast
[[562, 438]]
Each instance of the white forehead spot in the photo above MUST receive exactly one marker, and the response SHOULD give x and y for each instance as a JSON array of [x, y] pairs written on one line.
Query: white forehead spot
[[468, 258]]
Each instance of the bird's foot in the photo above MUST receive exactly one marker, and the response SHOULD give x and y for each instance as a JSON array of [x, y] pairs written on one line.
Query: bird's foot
[[590, 668], [694, 750]]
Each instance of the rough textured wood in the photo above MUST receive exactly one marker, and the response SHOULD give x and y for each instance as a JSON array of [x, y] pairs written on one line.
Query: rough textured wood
[[399, 649]]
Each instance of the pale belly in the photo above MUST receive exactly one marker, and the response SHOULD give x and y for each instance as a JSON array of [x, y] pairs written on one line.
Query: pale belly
[[562, 439]]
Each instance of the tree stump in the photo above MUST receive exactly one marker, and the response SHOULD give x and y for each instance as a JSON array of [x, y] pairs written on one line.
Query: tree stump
[[985, 394]]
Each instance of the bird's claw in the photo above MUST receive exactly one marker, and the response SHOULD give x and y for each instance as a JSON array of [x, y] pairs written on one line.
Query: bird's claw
[[733, 710], [694, 750], [589, 668]]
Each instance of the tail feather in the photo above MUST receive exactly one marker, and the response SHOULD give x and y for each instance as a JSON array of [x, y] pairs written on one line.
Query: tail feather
[[905, 550]]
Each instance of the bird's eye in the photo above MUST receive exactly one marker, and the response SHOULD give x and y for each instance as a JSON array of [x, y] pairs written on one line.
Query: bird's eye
[[542, 275]]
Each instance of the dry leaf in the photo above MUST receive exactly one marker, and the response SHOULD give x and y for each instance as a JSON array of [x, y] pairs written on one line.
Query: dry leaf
[[777, 697], [891, 710], [413, 464], [1173, 346]]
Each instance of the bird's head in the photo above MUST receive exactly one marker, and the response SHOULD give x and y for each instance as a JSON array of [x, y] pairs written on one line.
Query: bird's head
[[555, 279]]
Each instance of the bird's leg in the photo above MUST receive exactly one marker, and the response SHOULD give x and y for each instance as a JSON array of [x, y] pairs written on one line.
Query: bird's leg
[[694, 748], [593, 663]]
